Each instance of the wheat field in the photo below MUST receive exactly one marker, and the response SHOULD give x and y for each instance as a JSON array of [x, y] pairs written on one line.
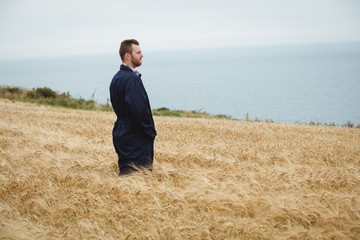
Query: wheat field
[[212, 179]]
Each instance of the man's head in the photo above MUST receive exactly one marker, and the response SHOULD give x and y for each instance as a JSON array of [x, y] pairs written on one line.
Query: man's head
[[130, 53]]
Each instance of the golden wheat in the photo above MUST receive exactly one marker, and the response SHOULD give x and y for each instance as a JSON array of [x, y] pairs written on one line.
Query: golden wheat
[[212, 179]]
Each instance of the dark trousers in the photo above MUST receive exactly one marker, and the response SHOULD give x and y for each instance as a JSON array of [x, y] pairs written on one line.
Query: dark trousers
[[144, 160]]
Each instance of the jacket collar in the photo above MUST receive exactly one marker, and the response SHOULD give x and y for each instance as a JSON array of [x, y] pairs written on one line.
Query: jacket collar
[[127, 68]]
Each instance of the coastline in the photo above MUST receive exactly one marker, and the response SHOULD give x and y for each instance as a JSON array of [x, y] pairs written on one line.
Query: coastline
[[48, 97]]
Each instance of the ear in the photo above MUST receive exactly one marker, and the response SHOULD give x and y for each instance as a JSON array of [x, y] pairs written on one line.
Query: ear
[[127, 56]]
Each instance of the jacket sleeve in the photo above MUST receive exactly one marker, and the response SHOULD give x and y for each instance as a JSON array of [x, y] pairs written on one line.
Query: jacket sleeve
[[138, 105]]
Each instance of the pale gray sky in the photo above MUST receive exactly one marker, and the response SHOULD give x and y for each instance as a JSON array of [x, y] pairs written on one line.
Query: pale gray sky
[[62, 27]]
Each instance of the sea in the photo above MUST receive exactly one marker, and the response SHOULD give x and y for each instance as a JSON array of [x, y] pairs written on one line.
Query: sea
[[283, 83]]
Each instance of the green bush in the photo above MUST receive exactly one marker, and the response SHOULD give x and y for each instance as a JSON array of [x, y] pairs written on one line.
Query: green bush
[[13, 93], [44, 92]]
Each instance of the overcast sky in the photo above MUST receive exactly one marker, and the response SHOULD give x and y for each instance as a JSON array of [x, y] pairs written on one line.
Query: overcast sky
[[62, 27]]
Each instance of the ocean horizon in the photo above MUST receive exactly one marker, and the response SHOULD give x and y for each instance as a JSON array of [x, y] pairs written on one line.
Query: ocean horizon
[[284, 83]]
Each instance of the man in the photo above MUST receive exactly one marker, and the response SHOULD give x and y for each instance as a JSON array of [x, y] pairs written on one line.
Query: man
[[134, 130]]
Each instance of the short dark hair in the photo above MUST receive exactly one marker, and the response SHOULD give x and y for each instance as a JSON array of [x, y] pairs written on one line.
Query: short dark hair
[[126, 47]]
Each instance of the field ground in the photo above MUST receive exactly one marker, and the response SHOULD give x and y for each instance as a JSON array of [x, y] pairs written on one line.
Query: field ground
[[212, 179]]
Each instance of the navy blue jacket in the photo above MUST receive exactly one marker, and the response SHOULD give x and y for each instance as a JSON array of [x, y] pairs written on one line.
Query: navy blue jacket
[[134, 130]]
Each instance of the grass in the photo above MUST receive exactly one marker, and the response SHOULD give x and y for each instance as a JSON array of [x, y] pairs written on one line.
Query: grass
[[47, 96], [188, 114], [212, 179]]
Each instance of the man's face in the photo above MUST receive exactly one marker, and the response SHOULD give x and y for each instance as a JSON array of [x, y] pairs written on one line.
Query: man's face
[[136, 56]]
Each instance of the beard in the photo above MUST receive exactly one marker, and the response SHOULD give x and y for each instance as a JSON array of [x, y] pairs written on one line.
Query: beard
[[135, 62]]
